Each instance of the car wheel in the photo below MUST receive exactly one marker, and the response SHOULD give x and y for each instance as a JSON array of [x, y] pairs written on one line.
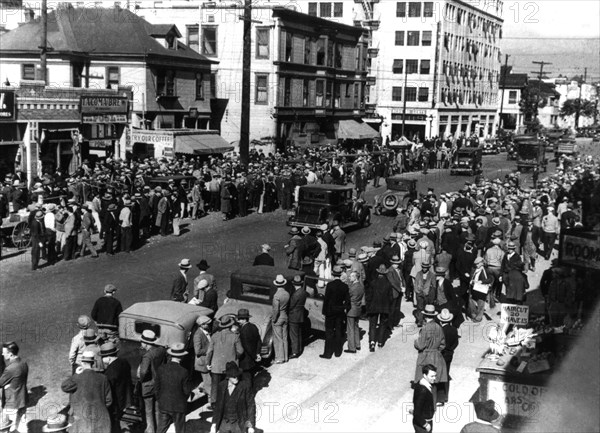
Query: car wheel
[[390, 201], [366, 220]]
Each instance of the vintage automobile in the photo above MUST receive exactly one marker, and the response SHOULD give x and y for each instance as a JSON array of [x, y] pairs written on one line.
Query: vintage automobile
[[321, 204], [467, 160], [491, 147], [400, 190], [173, 322], [252, 288]]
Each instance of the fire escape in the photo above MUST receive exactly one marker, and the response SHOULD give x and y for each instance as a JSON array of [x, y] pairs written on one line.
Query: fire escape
[[371, 24]]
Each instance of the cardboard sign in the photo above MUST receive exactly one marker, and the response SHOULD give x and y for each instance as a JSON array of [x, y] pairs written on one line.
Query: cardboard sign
[[517, 399], [514, 314]]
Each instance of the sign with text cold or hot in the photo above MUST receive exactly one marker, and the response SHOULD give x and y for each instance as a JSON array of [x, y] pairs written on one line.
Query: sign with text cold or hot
[[7, 105], [103, 105], [580, 248]]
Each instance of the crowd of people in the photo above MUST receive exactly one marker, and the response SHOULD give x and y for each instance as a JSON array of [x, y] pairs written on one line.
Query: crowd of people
[[451, 255]]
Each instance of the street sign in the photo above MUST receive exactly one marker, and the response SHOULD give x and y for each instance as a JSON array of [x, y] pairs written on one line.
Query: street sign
[[514, 314], [103, 104], [581, 249], [105, 118]]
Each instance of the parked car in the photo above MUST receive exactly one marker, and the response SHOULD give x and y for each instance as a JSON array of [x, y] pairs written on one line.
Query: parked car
[[252, 288], [321, 204], [490, 147], [467, 161], [400, 190]]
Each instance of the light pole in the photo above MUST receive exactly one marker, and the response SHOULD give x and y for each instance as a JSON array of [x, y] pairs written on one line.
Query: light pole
[[430, 118]]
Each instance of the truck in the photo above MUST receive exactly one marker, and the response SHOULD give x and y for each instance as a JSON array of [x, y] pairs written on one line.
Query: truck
[[531, 154], [565, 146], [467, 160]]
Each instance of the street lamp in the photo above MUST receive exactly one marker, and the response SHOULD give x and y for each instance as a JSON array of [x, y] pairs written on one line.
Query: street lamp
[[430, 118]]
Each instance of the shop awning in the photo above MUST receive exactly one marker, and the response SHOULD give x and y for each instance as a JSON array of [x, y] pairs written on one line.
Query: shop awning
[[353, 130], [201, 144]]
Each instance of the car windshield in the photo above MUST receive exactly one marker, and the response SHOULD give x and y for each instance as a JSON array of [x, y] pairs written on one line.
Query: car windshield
[[528, 152], [255, 291]]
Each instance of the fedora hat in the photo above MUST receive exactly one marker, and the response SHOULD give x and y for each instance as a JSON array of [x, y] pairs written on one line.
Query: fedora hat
[[88, 356], [294, 231], [232, 370], [203, 320], [84, 322], [149, 337], [185, 264], [243, 313], [496, 221], [429, 310], [111, 207], [110, 288], [439, 270], [203, 265], [177, 350], [227, 321], [363, 257], [90, 336], [307, 261], [108, 349], [297, 280], [382, 269], [55, 423], [395, 260], [426, 264], [445, 316], [336, 271], [305, 230], [511, 245], [279, 281], [352, 252], [411, 243]]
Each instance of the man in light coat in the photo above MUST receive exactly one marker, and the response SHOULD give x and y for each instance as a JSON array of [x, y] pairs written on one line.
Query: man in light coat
[[279, 318], [357, 292]]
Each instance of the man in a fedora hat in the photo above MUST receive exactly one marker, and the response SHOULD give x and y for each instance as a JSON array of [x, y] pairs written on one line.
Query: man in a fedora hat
[[118, 372], [77, 345], [90, 394], [294, 249], [251, 342], [55, 423], [424, 288], [280, 320], [264, 258], [488, 419], [429, 345], [179, 288], [235, 408], [396, 279], [224, 346], [445, 318], [201, 340], [335, 305], [153, 357], [173, 387], [379, 297], [13, 382], [296, 315]]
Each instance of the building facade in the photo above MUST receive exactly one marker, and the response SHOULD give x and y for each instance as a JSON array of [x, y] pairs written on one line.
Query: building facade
[[511, 87]]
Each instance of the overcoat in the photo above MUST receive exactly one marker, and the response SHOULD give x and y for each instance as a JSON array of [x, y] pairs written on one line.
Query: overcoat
[[429, 344], [90, 399]]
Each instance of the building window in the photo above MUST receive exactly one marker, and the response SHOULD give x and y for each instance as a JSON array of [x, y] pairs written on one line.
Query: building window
[[328, 91], [193, 38], [338, 9], [305, 92], [77, 70], [512, 96], [414, 9], [199, 86], [262, 89], [428, 9], [209, 41], [287, 91], [397, 68], [396, 93], [338, 55], [112, 77], [262, 43], [426, 40], [28, 71], [165, 83], [289, 45], [312, 9], [321, 51], [319, 92], [401, 9], [325, 10], [410, 94], [171, 41], [307, 51], [423, 94], [412, 66], [425, 66], [412, 38], [330, 47], [356, 95], [400, 37]]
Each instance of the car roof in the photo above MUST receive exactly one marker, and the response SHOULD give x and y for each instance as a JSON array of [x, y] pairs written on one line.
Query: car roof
[[176, 313], [326, 187]]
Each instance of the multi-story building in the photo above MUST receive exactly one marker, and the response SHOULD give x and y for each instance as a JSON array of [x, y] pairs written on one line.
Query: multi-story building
[[511, 87], [572, 89], [168, 84]]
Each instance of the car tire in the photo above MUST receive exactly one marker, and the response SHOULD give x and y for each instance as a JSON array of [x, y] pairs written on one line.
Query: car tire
[[366, 219], [393, 201]]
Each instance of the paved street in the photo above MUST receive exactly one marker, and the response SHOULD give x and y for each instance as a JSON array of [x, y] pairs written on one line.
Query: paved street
[[362, 392]]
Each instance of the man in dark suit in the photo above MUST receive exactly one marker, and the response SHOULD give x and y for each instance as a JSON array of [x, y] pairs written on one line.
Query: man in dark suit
[[106, 312], [38, 233], [296, 315], [14, 383], [210, 300], [235, 409], [201, 341], [424, 400], [451, 337], [118, 373], [335, 305], [179, 290], [152, 358], [264, 258], [251, 342], [173, 387]]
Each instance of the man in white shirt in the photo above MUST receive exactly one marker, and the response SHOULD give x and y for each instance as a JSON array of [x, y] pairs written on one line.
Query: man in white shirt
[[125, 222], [50, 225]]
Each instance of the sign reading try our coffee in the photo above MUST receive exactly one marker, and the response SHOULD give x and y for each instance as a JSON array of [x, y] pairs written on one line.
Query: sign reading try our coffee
[[103, 104]]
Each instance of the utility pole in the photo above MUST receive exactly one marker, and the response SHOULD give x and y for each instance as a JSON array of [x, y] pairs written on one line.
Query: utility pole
[[500, 123], [579, 102], [404, 98], [44, 41], [246, 60], [540, 75]]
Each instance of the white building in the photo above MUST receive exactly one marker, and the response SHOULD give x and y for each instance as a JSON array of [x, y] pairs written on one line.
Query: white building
[[570, 90], [510, 92]]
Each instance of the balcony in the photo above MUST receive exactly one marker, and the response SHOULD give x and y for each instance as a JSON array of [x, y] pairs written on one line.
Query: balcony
[[373, 24]]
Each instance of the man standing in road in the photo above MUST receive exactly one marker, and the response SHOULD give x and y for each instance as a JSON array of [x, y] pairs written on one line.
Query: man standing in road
[[357, 292], [279, 318], [118, 372], [339, 237], [294, 249], [394, 276], [430, 344], [179, 290], [550, 228], [424, 287], [106, 312], [451, 337], [173, 387], [335, 305], [251, 342], [424, 400], [264, 258], [379, 299], [77, 343], [153, 357], [201, 341], [38, 236], [296, 316], [14, 384], [235, 409]]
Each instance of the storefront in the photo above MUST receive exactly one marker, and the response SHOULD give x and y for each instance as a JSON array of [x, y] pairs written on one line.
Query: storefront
[[103, 121], [162, 143], [10, 143]]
